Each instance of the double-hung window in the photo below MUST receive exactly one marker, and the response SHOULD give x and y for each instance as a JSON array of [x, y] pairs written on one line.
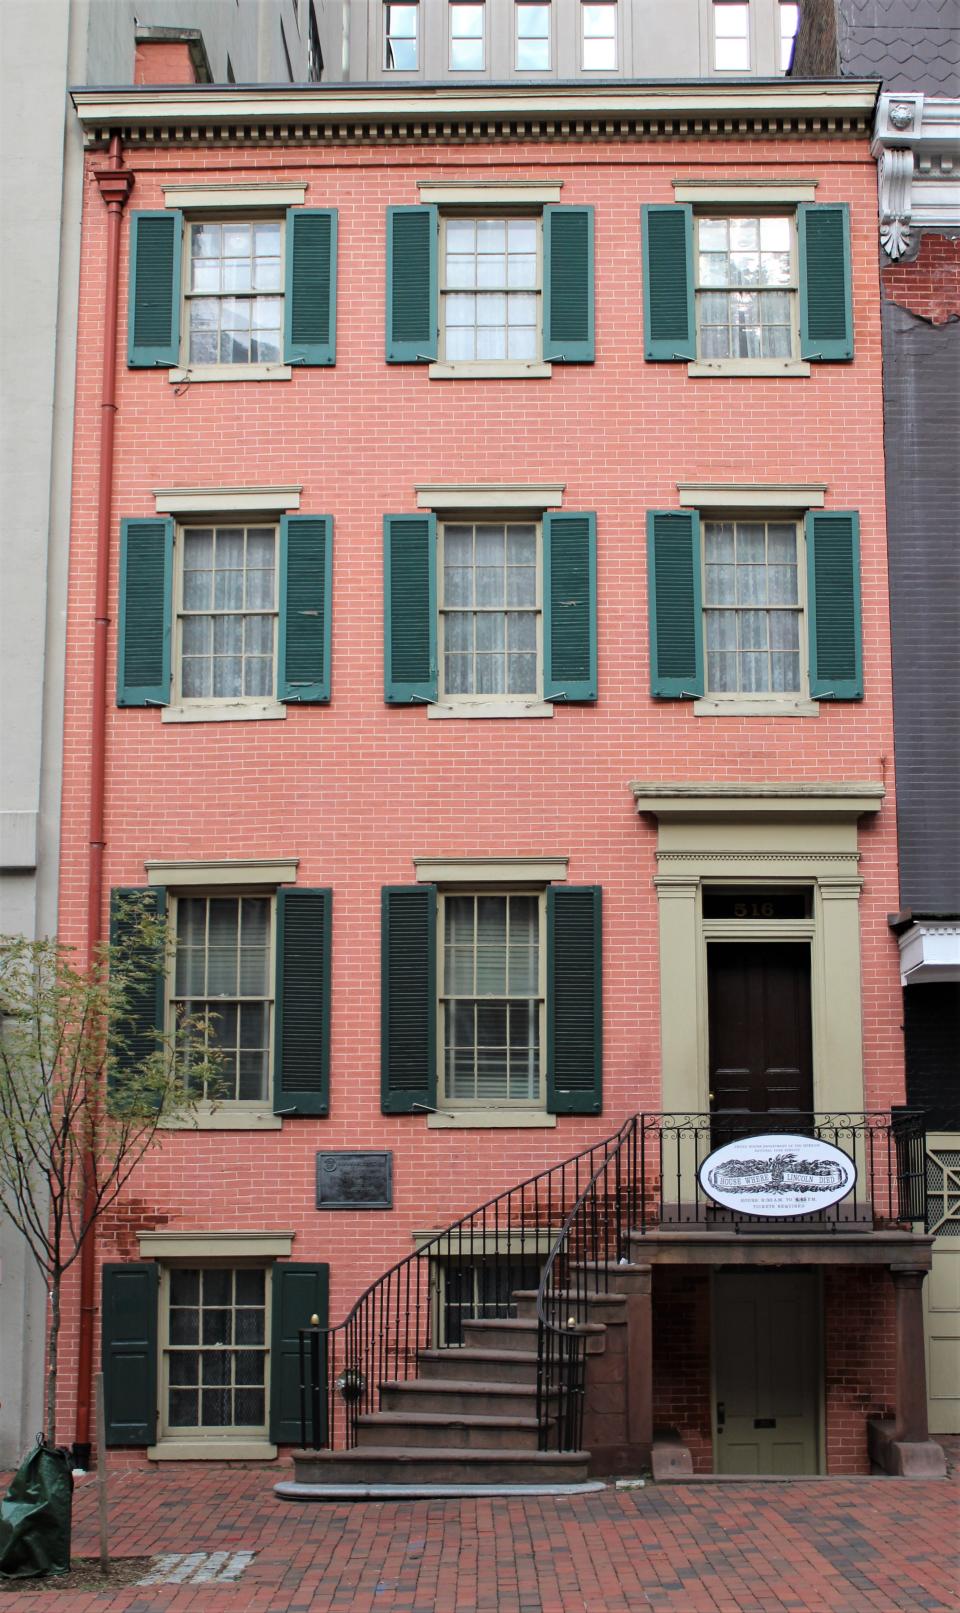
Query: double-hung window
[[490, 289], [490, 617], [532, 37], [401, 36], [466, 35], [746, 286], [223, 986], [789, 22], [492, 998], [214, 1331], [598, 24], [731, 36], [227, 613], [234, 292], [753, 607]]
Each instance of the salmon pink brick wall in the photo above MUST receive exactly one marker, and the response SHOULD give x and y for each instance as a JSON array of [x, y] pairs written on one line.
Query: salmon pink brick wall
[[356, 789]]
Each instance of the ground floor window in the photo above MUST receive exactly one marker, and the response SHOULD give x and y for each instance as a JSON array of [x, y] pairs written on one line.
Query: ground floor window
[[214, 1331]]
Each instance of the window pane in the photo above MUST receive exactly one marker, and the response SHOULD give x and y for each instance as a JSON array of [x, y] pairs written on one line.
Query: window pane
[[765, 572]]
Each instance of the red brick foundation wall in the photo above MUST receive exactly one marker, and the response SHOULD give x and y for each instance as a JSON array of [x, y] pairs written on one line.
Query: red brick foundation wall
[[929, 286], [681, 1360], [858, 1326]]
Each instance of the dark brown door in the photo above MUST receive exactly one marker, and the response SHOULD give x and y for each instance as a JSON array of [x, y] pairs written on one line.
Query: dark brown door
[[761, 1061]]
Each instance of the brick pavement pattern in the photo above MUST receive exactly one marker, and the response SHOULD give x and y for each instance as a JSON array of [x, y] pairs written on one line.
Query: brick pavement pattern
[[833, 1546]]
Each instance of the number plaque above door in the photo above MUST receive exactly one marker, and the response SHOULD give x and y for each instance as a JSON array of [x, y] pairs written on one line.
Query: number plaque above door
[[757, 902]]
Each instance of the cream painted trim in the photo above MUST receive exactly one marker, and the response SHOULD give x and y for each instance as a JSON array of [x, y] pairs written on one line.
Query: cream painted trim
[[173, 1245], [212, 1450], [752, 495], [745, 190], [735, 707], [502, 708], [490, 870], [226, 1115], [224, 711], [489, 1120], [482, 192], [239, 197], [782, 801], [788, 368], [231, 372], [448, 1245], [234, 871], [489, 495], [501, 370], [214, 500]]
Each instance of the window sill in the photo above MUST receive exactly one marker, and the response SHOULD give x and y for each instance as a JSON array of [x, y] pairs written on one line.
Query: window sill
[[224, 711], [489, 1119], [227, 1116], [508, 370], [231, 372], [787, 367], [494, 708], [212, 1450], [756, 708]]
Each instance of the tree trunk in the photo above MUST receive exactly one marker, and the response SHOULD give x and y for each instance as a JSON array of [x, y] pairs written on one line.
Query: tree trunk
[[52, 1360]]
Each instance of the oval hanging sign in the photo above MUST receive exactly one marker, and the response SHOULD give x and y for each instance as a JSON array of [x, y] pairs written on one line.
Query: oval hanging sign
[[777, 1175]]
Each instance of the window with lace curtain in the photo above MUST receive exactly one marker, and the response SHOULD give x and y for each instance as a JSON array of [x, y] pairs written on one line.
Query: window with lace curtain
[[752, 607]]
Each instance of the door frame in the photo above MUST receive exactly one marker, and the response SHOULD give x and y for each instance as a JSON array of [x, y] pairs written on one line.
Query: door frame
[[758, 933], [820, 1347]]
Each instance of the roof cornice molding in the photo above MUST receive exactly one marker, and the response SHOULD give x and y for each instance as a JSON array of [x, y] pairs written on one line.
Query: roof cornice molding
[[229, 115], [916, 140]]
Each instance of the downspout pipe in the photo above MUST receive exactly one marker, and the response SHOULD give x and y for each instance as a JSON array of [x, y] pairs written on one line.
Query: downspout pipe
[[115, 184]]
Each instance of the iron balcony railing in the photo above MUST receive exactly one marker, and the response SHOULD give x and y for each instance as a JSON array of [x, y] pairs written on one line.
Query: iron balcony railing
[[575, 1223]]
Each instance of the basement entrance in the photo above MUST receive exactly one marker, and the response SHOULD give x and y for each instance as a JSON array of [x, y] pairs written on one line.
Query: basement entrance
[[766, 1350]]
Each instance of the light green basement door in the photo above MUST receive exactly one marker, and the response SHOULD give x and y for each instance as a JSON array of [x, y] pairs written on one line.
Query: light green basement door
[[768, 1372]]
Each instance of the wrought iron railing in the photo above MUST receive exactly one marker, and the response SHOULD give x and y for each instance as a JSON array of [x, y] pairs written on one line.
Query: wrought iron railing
[[575, 1221]]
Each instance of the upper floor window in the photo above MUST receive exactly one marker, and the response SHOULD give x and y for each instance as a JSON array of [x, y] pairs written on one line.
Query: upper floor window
[[789, 19], [489, 609], [466, 36], [401, 28], [222, 980], [746, 287], [533, 38], [227, 613], [598, 22], [492, 998], [490, 290], [235, 292], [752, 607], [731, 36]]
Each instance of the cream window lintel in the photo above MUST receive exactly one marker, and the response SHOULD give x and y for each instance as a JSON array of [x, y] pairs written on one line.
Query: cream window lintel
[[497, 370], [236, 198], [489, 192], [230, 372], [489, 1120], [235, 871], [745, 192], [752, 495], [226, 500], [707, 369], [172, 1245], [758, 800], [489, 495], [490, 871], [448, 1245]]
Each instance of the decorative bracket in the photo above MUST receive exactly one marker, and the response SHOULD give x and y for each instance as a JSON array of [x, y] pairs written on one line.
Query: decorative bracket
[[895, 179]]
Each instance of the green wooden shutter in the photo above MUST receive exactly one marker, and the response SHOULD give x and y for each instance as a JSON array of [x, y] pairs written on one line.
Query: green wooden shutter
[[298, 1291], [674, 607], [669, 308], [568, 320], [574, 1005], [410, 608], [137, 1038], [306, 573], [408, 998], [833, 604], [826, 308], [301, 1078], [153, 315], [310, 316], [570, 606], [145, 608], [412, 310], [129, 1346]]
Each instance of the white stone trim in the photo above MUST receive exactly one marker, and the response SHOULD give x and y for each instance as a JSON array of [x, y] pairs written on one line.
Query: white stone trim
[[225, 711], [226, 1115], [239, 198], [489, 1120], [745, 191], [711, 369], [736, 706], [490, 870], [171, 1244], [916, 140], [497, 370], [489, 495], [752, 495], [930, 951], [212, 1450], [489, 192], [230, 372], [777, 800], [215, 500], [490, 708], [235, 871]]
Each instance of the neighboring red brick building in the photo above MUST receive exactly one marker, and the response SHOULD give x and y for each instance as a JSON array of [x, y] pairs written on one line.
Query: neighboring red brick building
[[536, 507]]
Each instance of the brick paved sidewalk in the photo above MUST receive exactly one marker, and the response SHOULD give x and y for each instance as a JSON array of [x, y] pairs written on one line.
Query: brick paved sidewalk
[[835, 1546]]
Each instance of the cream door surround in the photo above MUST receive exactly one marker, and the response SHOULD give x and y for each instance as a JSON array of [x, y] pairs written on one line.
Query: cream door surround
[[766, 833]]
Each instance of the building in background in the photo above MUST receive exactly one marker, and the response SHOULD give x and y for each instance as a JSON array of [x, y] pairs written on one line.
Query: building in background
[[46, 49], [915, 49]]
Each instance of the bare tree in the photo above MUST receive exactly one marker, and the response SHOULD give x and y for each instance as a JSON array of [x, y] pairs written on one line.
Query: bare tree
[[86, 1084]]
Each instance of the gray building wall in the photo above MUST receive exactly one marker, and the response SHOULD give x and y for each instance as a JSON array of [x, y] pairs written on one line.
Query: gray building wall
[[910, 44], [45, 46]]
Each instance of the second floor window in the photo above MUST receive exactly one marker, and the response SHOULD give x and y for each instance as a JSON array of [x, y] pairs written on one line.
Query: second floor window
[[533, 38], [401, 30], [490, 289], [493, 998], [222, 981], [752, 607], [490, 617], [466, 37], [228, 612], [235, 293], [746, 287]]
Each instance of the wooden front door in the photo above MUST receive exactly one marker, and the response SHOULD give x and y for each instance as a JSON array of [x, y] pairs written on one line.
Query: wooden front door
[[761, 1059], [767, 1366]]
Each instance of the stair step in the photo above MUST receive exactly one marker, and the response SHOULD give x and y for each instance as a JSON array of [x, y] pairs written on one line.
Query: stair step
[[392, 1464], [521, 1334], [456, 1398], [457, 1430], [499, 1366], [599, 1306]]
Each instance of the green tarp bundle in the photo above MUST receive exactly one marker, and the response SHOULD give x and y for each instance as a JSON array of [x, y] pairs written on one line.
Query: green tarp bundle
[[35, 1516]]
